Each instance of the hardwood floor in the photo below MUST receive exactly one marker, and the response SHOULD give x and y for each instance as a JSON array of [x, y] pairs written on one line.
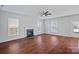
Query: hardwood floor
[[41, 44]]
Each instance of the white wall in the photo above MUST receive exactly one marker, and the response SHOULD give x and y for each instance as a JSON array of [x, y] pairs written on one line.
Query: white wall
[[64, 25], [24, 21]]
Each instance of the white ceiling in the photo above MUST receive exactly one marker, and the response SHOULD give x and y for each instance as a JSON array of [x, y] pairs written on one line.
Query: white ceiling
[[34, 10]]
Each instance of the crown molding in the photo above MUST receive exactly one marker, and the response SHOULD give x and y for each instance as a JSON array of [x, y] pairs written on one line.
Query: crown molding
[[58, 16], [16, 12], [44, 17]]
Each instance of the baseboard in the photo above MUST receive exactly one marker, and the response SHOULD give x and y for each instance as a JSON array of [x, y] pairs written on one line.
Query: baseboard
[[19, 37], [12, 39], [60, 35]]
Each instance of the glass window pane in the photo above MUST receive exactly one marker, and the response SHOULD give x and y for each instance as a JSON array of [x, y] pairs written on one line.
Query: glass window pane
[[13, 25]]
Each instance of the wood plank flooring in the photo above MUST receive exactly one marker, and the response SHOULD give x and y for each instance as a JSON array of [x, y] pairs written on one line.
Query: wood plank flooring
[[41, 44]]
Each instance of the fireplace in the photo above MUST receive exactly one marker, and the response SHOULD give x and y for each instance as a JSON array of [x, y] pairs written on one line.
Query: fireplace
[[30, 32]]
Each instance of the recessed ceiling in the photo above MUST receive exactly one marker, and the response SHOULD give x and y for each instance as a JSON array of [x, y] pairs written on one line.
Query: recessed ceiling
[[34, 10]]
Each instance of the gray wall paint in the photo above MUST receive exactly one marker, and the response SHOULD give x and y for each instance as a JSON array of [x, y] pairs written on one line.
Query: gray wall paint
[[64, 25], [0, 26], [24, 21]]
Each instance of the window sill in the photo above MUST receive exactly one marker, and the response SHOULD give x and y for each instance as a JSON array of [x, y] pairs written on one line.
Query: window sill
[[14, 35]]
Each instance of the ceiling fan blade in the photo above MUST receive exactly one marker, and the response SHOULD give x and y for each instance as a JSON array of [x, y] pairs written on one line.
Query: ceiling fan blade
[[46, 12], [49, 14]]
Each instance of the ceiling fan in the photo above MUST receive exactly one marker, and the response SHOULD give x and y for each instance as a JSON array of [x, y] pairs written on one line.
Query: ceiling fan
[[46, 13]]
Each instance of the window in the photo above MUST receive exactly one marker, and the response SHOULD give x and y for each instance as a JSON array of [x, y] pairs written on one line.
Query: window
[[39, 26], [54, 26], [76, 26], [13, 26]]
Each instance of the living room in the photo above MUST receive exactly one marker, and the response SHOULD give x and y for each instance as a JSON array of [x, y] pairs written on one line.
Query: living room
[[18, 22]]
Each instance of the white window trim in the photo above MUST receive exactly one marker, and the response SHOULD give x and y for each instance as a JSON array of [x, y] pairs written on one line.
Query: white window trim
[[17, 30]]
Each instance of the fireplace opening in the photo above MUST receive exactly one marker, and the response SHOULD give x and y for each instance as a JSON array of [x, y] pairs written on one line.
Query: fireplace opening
[[30, 32]]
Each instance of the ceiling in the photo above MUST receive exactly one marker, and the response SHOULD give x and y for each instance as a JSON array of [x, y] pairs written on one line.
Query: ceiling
[[34, 10]]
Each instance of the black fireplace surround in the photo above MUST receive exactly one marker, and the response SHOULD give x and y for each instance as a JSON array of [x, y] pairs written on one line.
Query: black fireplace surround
[[30, 32]]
